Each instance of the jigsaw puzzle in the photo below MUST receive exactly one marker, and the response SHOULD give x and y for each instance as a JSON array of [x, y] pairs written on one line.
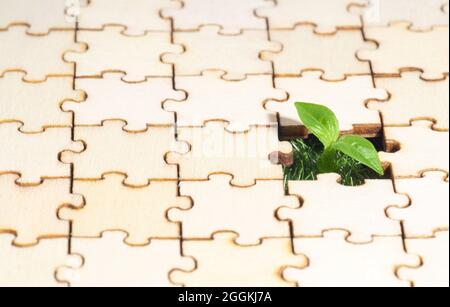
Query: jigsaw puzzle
[[149, 143], [254, 265], [247, 211], [371, 264], [111, 205], [342, 45], [341, 208], [346, 98]]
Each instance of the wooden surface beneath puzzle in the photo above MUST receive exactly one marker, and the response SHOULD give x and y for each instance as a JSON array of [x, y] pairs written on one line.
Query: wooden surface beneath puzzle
[[135, 139]]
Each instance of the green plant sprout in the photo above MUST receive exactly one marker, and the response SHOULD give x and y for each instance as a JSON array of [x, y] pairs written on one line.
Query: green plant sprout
[[353, 157]]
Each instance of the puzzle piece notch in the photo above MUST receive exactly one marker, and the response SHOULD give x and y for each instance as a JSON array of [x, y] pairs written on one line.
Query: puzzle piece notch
[[393, 54], [429, 149], [247, 211], [434, 253], [196, 13], [422, 16], [327, 16], [343, 45], [45, 162], [138, 211], [428, 210], [247, 156], [109, 144], [237, 55], [407, 94], [139, 56], [371, 264], [33, 266], [255, 265], [341, 208], [346, 98], [110, 262], [138, 19], [30, 212], [36, 106], [238, 102], [142, 107], [51, 62], [41, 19]]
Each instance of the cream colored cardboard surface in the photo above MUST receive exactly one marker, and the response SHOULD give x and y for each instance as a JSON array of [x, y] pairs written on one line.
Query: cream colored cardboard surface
[[138, 17], [401, 49], [30, 212], [359, 210], [16, 149], [327, 15], [244, 155], [48, 15], [139, 104], [237, 55], [407, 102], [346, 98], [231, 15], [247, 211], [138, 155], [138, 57], [428, 210], [422, 15], [434, 253], [222, 263], [303, 50], [421, 149], [109, 262], [333, 262], [36, 105], [139, 211], [15, 46], [239, 102], [33, 266]]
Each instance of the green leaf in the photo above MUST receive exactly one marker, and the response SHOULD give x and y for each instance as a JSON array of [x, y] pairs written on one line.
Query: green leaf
[[360, 149], [327, 162], [320, 121]]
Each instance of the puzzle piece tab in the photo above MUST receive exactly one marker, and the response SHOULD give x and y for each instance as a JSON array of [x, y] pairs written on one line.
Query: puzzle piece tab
[[239, 102], [327, 15], [236, 55], [109, 262], [245, 155], [36, 105], [422, 15], [401, 49], [346, 98], [435, 254], [407, 96], [247, 211], [139, 155], [334, 262], [30, 212], [139, 104], [138, 17], [232, 15], [35, 156], [429, 209], [359, 210], [33, 266], [138, 57], [48, 15], [15, 46], [421, 149], [139, 211], [222, 263], [332, 54]]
